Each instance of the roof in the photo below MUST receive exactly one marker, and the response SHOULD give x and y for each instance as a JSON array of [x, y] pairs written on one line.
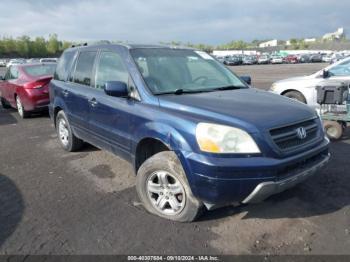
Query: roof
[[36, 64], [131, 46]]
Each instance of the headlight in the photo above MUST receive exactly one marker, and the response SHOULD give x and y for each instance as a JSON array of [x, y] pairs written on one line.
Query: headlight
[[214, 138], [273, 87]]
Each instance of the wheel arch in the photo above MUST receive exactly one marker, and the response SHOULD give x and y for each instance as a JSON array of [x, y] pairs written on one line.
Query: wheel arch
[[153, 138], [294, 90]]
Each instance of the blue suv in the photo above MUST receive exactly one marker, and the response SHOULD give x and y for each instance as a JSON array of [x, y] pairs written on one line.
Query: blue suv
[[196, 134]]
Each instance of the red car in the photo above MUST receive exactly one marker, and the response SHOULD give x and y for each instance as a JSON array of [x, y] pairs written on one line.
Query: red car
[[291, 59], [25, 87]]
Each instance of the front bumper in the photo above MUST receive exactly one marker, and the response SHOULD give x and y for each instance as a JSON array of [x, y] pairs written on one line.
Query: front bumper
[[266, 189], [219, 181]]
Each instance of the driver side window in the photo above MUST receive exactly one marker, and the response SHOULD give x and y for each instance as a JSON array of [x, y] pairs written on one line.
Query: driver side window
[[343, 69], [110, 68]]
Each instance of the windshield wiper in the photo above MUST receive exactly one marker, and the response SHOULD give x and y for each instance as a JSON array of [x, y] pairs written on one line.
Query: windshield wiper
[[232, 87], [181, 91]]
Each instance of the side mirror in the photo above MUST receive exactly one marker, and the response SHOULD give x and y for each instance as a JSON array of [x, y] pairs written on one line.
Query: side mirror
[[325, 74], [246, 79], [116, 88]]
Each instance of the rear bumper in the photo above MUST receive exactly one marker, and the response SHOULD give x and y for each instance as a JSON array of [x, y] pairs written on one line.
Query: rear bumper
[[35, 99], [266, 189]]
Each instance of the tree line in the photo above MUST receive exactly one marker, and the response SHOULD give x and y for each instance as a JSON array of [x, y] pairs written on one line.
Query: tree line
[[27, 47]]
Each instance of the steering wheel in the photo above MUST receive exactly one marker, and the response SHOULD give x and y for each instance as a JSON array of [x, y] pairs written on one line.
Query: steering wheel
[[204, 78]]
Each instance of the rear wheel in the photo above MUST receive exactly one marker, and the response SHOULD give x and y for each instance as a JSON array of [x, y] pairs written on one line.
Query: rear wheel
[[4, 103], [65, 134], [20, 108], [162, 186], [334, 130], [296, 96]]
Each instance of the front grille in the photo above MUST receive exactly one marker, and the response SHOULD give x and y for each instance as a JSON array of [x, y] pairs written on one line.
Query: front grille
[[295, 168], [286, 137]]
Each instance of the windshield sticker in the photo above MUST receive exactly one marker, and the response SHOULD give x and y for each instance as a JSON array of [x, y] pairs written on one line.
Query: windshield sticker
[[204, 55]]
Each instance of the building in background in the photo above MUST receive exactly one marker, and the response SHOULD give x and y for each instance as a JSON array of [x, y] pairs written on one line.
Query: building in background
[[339, 34], [270, 43], [310, 40]]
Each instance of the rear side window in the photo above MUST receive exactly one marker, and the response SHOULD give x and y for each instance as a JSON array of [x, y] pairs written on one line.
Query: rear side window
[[40, 70], [84, 68], [64, 65], [12, 73], [110, 68]]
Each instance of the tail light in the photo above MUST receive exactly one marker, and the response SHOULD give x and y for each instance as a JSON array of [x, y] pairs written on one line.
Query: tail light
[[37, 86]]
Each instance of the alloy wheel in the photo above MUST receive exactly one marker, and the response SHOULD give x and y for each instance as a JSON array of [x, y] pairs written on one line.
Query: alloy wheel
[[63, 132], [166, 193], [19, 106]]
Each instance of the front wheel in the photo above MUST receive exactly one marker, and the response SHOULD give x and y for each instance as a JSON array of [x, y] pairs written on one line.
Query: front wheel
[[295, 95], [334, 130], [163, 188]]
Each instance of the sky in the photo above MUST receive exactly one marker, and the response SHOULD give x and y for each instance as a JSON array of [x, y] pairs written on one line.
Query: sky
[[154, 21]]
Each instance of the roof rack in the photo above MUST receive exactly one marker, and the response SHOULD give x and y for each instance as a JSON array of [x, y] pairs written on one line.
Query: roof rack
[[84, 44]]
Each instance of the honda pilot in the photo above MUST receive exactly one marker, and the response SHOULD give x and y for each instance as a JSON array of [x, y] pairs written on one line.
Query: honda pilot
[[196, 135]]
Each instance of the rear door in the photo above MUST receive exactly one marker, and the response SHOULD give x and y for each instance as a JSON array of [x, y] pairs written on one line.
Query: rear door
[[76, 92], [110, 117]]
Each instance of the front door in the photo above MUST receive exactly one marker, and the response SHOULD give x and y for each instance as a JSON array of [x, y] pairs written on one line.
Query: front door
[[110, 117]]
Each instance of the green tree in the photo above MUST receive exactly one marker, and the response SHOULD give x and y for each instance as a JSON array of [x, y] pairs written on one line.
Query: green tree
[[23, 46], [39, 47], [53, 45]]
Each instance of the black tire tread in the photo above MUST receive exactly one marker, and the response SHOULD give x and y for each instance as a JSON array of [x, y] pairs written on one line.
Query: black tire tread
[[168, 161]]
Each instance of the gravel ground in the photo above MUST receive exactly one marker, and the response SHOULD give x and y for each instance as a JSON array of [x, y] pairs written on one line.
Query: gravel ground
[[53, 202]]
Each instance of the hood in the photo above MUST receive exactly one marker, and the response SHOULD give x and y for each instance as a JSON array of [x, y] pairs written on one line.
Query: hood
[[247, 107], [300, 79]]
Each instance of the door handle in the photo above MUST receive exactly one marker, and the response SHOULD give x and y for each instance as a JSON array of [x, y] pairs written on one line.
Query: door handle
[[93, 102], [65, 93]]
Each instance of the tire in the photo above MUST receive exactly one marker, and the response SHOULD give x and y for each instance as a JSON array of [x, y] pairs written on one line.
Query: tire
[[20, 108], [296, 96], [4, 103], [334, 130], [65, 134], [165, 172]]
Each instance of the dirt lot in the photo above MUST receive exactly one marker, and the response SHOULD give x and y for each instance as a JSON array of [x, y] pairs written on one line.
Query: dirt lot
[[53, 202]]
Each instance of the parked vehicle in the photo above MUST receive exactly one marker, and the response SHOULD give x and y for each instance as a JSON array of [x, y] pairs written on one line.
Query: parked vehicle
[[48, 60], [25, 87], [221, 59], [326, 58], [195, 133], [264, 59], [2, 62], [337, 57], [231, 60], [249, 60], [276, 59], [33, 60], [316, 58], [15, 62], [305, 58], [291, 59], [303, 88]]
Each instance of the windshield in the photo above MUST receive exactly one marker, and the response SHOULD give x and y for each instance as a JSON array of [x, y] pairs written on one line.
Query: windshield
[[40, 70], [169, 70]]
